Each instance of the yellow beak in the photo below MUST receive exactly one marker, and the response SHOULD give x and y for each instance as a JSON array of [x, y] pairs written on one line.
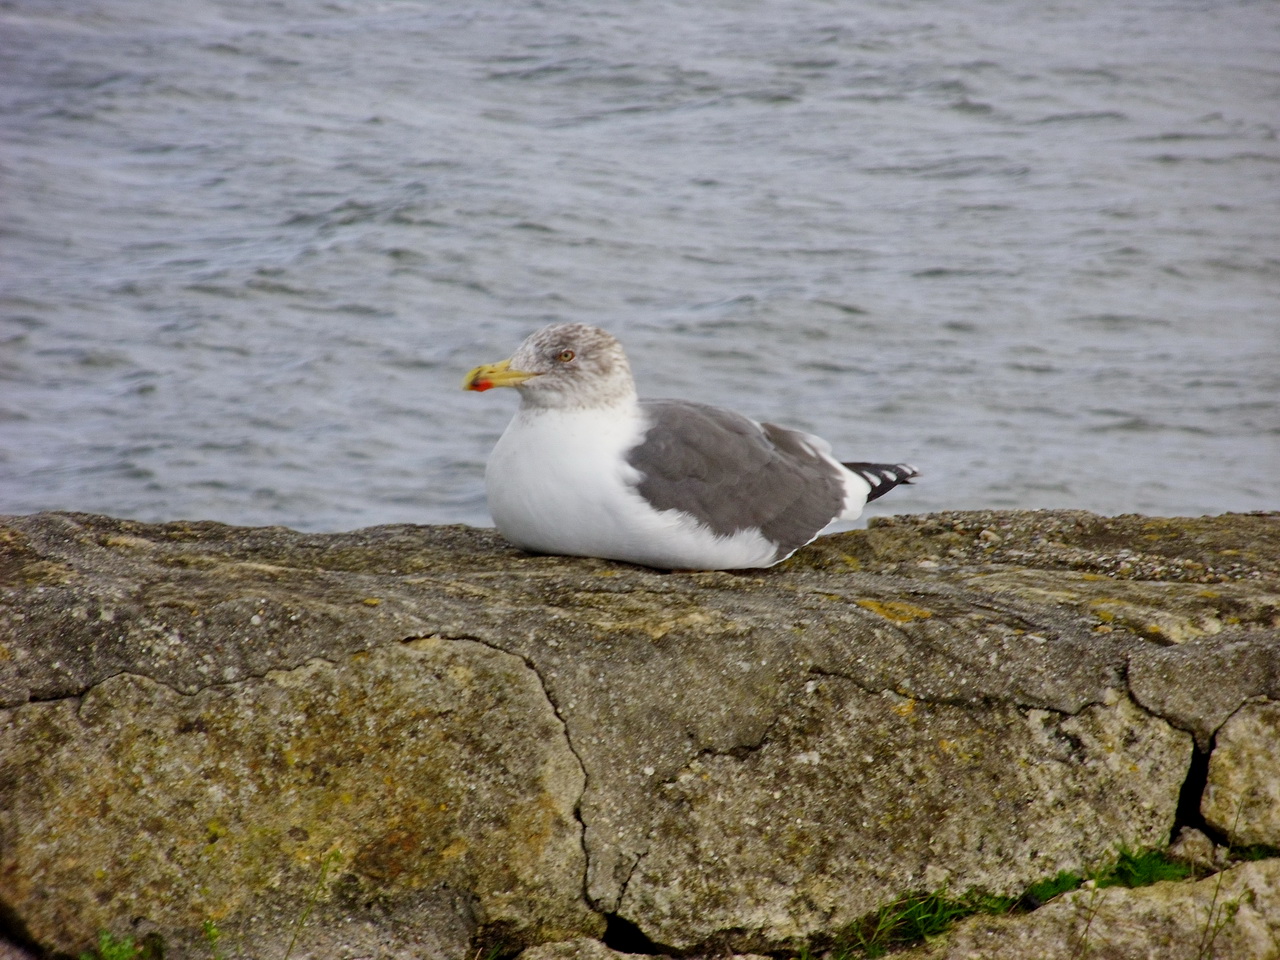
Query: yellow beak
[[500, 374]]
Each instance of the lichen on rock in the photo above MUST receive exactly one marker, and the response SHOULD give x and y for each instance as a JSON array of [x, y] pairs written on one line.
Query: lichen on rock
[[1235, 914], [421, 793], [427, 743], [1242, 796], [858, 797]]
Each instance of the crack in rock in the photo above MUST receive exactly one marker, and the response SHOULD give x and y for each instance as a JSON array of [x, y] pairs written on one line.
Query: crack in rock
[[568, 741], [708, 757]]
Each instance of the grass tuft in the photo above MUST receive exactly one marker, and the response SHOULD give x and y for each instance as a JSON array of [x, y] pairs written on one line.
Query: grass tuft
[[1255, 851], [910, 919], [1043, 891], [918, 916], [1141, 868]]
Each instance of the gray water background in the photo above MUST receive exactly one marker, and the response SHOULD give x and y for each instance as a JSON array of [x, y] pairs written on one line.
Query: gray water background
[[248, 249]]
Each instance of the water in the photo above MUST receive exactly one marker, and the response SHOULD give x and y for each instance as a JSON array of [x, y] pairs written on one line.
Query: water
[[246, 256]]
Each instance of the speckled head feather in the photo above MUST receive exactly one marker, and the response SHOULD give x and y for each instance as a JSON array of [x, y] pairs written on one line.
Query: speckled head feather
[[577, 366]]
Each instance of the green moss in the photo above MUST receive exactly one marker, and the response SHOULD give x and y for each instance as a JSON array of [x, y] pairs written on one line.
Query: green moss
[[1043, 891], [111, 947], [1132, 868], [1141, 868], [1256, 851], [212, 935], [918, 916]]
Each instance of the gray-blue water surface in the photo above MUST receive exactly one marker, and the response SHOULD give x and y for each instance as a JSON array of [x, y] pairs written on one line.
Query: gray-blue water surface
[[249, 249]]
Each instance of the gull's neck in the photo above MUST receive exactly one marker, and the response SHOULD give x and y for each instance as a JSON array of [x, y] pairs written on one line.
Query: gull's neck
[[615, 395]]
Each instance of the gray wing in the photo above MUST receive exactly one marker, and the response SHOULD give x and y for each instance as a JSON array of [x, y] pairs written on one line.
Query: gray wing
[[734, 474]]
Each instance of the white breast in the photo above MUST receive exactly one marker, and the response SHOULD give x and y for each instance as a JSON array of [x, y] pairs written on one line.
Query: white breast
[[558, 482]]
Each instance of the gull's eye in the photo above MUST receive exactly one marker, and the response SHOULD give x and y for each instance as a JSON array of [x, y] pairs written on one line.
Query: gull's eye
[[565, 356]]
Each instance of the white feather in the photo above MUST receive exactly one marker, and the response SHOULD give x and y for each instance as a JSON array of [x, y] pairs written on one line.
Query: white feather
[[558, 481]]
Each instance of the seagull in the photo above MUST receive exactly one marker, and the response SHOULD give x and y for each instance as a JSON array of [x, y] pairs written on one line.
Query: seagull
[[586, 468]]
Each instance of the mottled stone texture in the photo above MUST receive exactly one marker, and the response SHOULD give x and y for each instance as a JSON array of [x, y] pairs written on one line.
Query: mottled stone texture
[[424, 792], [1242, 798], [427, 743], [857, 797], [1234, 915]]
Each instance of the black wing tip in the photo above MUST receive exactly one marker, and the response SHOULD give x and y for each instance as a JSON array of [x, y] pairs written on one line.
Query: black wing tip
[[883, 477]]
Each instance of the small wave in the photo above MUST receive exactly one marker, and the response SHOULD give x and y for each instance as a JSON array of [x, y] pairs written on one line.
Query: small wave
[[1133, 423], [1119, 321], [1082, 116], [847, 308], [936, 273], [344, 214]]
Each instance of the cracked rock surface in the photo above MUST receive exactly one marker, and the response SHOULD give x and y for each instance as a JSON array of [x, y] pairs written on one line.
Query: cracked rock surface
[[1235, 914], [902, 795], [429, 743], [1242, 796]]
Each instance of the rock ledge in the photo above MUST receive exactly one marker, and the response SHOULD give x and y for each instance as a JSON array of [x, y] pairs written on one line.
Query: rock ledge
[[445, 745]]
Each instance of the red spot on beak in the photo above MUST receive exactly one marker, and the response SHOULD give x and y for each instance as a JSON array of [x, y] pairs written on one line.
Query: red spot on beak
[[481, 385]]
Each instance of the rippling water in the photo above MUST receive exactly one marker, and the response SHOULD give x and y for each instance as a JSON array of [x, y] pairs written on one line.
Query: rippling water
[[246, 256]]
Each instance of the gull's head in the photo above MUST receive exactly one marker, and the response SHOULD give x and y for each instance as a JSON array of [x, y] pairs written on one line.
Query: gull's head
[[562, 365]]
